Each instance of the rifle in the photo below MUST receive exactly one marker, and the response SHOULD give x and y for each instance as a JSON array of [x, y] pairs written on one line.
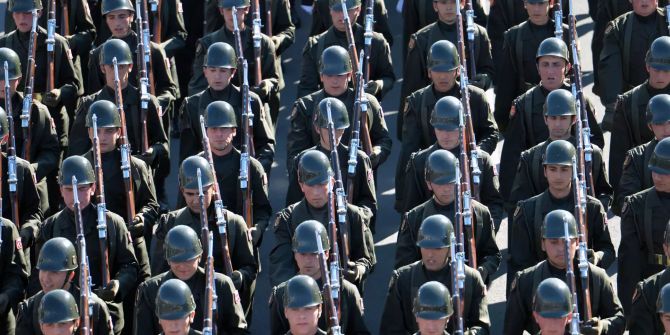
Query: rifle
[[367, 42], [28, 88], [102, 205], [331, 310], [350, 37], [84, 270], [247, 148], [145, 83], [238, 42], [570, 274], [360, 120], [579, 191], [341, 209], [158, 25], [268, 18], [558, 19], [11, 153], [667, 18], [65, 18], [334, 256], [51, 42], [221, 221], [256, 25], [457, 284], [204, 225], [125, 147], [209, 327], [470, 28]]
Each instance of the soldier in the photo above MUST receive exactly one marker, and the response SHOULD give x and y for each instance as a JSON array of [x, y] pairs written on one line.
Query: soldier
[[335, 69], [411, 188], [175, 308], [433, 239], [552, 306], [605, 306], [303, 303], [57, 265], [630, 129], [527, 127], [517, 57], [59, 314], [525, 248], [306, 256], [219, 68], [503, 15], [622, 59], [635, 176], [432, 308], [123, 267], [381, 75], [240, 249], [559, 116], [362, 192], [183, 251], [321, 20], [316, 177], [643, 219], [441, 179]]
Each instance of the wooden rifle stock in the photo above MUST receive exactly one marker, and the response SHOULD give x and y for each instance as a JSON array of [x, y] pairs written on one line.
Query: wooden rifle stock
[[28, 88], [209, 326], [65, 18], [102, 205], [353, 55], [268, 17], [457, 284], [579, 192], [85, 307], [329, 302], [247, 149], [570, 278]]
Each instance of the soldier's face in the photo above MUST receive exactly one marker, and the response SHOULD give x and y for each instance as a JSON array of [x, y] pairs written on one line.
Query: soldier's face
[[107, 138], [661, 130], [552, 71], [661, 181], [24, 20], [644, 7], [538, 13], [555, 249], [443, 81], [551, 326], [177, 327], [13, 84], [218, 78], [446, 10], [658, 79], [431, 327], [559, 126], [221, 139], [61, 328], [434, 259], [443, 194], [119, 22], [124, 71], [316, 195], [665, 320], [335, 85], [308, 264], [337, 16], [447, 139], [193, 200], [325, 138], [227, 14], [559, 178], [51, 280], [184, 270], [84, 191], [303, 321]]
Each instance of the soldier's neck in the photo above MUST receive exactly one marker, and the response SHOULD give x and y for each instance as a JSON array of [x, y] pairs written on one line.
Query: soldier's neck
[[228, 149], [560, 193], [540, 21]]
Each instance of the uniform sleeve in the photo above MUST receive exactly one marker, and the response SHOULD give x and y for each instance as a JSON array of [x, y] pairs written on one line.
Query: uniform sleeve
[[379, 133], [520, 243], [600, 235], [309, 78], [231, 318], [484, 61], [512, 147], [271, 67], [413, 187], [356, 323], [84, 29], [381, 21], [282, 264], [478, 321], [283, 27], [517, 314], [145, 196], [67, 79], [392, 321], [415, 76], [264, 136], [602, 188], [300, 131], [145, 316], [157, 138], [15, 270], [78, 141], [611, 312], [410, 18], [381, 65], [506, 93], [243, 257], [278, 322], [102, 319], [262, 208], [174, 37], [642, 316], [188, 140], [24, 318], [365, 194], [610, 65], [126, 267], [488, 253], [523, 186], [597, 136], [29, 203], [198, 81], [165, 88], [486, 130], [44, 149], [411, 136], [630, 182], [406, 251], [630, 253], [158, 262], [620, 143], [362, 245], [95, 80], [319, 25], [489, 189], [293, 191]]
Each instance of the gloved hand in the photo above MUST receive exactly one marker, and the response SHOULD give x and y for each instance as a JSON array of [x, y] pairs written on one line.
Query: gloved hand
[[276, 40], [608, 118], [481, 80], [354, 272], [592, 327], [4, 302], [52, 98], [236, 277], [26, 237], [256, 235], [109, 292], [263, 89], [375, 157], [148, 156], [374, 87], [136, 228]]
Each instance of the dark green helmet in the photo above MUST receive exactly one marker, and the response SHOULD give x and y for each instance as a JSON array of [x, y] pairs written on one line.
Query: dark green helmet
[[234, 3], [302, 291], [304, 237], [335, 61], [112, 5], [559, 152], [182, 244], [174, 300], [57, 306], [106, 113], [658, 109], [660, 159], [79, 167], [553, 225], [435, 232], [445, 115], [188, 173], [433, 301], [663, 301], [115, 48], [443, 57], [336, 5], [222, 55], [57, 254], [13, 63], [552, 299], [441, 167], [338, 112], [559, 102], [552, 46], [658, 55], [314, 168], [220, 114], [4, 125], [18, 6]]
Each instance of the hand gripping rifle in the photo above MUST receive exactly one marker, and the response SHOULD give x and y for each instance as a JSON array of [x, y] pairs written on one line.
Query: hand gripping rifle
[[85, 307], [247, 148], [329, 302], [51, 42], [143, 61], [579, 190], [209, 326], [256, 37], [28, 88], [221, 221], [457, 284], [11, 153], [350, 37], [158, 25], [102, 206], [570, 278]]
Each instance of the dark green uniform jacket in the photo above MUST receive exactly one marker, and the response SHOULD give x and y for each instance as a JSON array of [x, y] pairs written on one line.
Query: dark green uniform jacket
[[229, 314], [636, 175], [643, 219], [643, 317], [398, 317], [351, 310], [604, 301], [503, 15], [15, 271], [488, 254], [318, 332], [321, 19], [30, 215]]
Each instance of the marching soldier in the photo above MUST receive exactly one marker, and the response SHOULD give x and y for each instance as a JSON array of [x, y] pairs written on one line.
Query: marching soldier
[[382, 77], [183, 252], [219, 68], [552, 306], [622, 59], [606, 308], [411, 188], [363, 191], [432, 308], [525, 248], [58, 314], [643, 221], [175, 308], [441, 174], [306, 256], [503, 15], [315, 175], [321, 19], [398, 317], [123, 267], [303, 306], [560, 117], [240, 249], [630, 128], [57, 265]]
